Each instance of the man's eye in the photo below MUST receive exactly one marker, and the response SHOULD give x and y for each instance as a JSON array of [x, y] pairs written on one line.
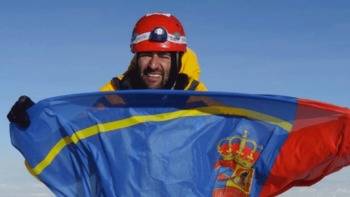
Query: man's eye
[[164, 55], [145, 54]]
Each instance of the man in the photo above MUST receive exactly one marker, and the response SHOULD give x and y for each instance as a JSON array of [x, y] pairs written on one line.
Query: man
[[161, 61]]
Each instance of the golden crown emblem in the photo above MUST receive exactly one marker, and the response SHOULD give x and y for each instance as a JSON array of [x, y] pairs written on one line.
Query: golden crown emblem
[[240, 149]]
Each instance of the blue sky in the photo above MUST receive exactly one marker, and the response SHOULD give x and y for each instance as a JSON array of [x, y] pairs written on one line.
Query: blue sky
[[294, 48]]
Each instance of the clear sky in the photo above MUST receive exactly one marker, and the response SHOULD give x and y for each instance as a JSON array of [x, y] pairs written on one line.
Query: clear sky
[[295, 48]]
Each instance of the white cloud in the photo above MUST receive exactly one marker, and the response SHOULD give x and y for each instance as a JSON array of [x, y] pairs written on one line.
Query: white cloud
[[334, 185]]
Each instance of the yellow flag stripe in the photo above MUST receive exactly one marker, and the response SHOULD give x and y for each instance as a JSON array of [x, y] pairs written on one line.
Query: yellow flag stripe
[[134, 120]]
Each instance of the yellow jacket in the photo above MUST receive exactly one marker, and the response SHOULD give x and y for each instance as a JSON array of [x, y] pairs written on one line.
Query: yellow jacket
[[188, 75]]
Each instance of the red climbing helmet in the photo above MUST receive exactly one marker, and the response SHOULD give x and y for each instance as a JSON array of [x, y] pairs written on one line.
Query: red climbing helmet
[[158, 32]]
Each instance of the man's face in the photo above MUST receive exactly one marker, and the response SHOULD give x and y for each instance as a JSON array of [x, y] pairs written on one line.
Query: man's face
[[154, 68]]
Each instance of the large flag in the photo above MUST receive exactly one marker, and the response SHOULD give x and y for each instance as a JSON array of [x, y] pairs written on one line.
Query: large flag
[[182, 143]]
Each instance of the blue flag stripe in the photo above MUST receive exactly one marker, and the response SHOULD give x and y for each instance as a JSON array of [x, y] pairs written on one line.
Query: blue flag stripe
[[138, 119]]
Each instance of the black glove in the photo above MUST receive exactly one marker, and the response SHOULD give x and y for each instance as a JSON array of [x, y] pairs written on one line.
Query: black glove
[[18, 113]]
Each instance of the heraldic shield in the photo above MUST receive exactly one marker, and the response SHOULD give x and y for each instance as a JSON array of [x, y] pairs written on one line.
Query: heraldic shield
[[235, 171]]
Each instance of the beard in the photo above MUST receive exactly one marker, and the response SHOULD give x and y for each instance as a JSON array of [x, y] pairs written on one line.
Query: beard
[[154, 79]]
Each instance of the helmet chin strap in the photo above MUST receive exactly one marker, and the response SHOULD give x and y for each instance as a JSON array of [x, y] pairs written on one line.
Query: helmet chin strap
[[174, 70]]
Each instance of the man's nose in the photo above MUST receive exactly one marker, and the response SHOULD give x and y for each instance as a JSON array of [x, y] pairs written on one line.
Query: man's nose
[[154, 62]]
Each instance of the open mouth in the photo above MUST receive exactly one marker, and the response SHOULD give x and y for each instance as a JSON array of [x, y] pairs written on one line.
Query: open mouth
[[153, 78], [155, 75]]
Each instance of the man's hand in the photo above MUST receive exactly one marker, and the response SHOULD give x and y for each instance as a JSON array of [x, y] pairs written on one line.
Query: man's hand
[[18, 113]]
